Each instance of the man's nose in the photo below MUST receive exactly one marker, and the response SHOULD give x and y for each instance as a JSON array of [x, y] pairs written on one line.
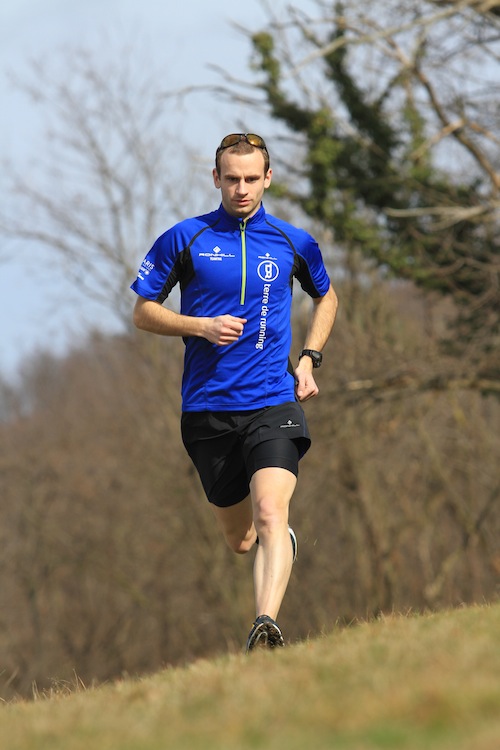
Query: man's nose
[[242, 187]]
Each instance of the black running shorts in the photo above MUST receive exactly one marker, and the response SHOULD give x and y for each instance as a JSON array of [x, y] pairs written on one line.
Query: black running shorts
[[228, 447]]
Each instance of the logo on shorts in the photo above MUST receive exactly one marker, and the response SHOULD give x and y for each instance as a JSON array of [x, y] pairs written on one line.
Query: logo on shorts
[[289, 424]]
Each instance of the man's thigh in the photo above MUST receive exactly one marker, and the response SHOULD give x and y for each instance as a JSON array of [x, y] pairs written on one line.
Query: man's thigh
[[228, 448], [283, 453], [213, 444]]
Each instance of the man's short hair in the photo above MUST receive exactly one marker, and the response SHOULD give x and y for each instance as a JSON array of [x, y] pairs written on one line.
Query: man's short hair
[[242, 147]]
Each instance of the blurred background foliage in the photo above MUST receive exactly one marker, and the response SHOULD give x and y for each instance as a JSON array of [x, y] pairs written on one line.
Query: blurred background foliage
[[383, 129]]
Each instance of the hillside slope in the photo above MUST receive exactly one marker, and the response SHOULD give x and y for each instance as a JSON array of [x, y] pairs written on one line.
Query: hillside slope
[[418, 681]]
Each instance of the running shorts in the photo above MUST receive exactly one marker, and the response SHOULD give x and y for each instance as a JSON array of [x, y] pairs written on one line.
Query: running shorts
[[228, 447]]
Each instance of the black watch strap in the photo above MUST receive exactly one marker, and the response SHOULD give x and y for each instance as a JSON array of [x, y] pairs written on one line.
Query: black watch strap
[[316, 357]]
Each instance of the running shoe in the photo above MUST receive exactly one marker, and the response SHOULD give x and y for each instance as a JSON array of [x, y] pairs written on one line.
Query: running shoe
[[265, 633]]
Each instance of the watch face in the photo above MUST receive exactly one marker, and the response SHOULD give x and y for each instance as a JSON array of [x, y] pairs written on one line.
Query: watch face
[[316, 358]]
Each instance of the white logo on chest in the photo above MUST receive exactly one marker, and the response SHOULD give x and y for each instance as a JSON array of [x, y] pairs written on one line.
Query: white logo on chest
[[216, 254]]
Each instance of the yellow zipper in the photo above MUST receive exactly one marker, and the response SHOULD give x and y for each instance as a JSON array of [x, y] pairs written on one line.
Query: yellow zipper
[[243, 262]]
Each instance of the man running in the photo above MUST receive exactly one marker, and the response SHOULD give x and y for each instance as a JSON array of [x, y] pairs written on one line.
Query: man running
[[242, 422]]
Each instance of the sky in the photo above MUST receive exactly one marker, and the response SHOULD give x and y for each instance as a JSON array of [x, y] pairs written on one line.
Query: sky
[[190, 35]]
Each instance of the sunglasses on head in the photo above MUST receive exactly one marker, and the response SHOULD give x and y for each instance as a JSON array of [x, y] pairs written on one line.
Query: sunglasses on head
[[234, 138]]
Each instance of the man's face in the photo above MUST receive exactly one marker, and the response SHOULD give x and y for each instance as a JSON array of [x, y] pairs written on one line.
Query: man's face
[[242, 182]]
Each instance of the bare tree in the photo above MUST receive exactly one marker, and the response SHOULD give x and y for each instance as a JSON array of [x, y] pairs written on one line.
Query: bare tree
[[392, 107], [102, 185], [111, 562]]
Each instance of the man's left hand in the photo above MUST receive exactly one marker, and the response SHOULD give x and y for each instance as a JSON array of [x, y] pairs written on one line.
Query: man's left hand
[[305, 385]]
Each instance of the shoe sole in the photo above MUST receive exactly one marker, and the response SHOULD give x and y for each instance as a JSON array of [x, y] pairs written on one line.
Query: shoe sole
[[266, 635], [295, 545]]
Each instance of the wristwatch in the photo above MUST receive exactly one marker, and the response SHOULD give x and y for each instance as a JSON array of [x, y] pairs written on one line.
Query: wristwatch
[[316, 357]]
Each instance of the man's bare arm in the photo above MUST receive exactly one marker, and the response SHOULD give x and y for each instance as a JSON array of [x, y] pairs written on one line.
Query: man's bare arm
[[320, 327], [153, 317]]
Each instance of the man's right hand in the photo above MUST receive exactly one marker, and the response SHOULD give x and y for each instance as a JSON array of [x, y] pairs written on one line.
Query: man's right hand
[[224, 329]]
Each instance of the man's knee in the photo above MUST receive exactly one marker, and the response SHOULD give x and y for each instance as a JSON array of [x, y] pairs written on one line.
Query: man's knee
[[270, 516], [270, 508], [267, 525]]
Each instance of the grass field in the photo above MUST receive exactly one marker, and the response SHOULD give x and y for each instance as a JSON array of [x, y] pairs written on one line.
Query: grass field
[[403, 682]]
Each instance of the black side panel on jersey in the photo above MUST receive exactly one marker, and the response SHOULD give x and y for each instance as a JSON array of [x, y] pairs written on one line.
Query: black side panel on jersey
[[183, 270], [303, 275]]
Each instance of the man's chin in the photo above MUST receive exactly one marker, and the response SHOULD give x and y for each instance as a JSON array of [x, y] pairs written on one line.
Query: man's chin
[[242, 212]]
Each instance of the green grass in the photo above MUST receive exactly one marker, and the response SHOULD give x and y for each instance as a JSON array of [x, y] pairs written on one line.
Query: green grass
[[405, 682]]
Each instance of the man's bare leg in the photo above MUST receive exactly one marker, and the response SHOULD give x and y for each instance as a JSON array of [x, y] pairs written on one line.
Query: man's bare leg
[[237, 526], [271, 491], [264, 512]]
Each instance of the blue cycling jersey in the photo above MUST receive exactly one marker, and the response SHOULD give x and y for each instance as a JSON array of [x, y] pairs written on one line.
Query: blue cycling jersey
[[244, 268]]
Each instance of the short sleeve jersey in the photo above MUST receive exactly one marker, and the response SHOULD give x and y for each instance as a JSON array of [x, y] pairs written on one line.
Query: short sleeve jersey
[[245, 268]]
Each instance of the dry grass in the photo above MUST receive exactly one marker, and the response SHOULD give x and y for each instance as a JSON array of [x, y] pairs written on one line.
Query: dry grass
[[429, 681]]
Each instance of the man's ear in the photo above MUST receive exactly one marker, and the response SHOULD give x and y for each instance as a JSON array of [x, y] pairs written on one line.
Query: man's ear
[[216, 177], [268, 178]]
